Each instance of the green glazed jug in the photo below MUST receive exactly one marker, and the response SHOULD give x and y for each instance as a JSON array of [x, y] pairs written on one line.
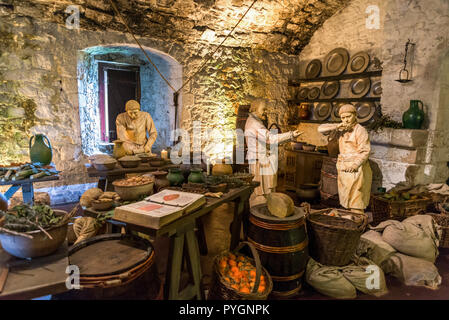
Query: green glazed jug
[[414, 116], [196, 176], [40, 152], [175, 177]]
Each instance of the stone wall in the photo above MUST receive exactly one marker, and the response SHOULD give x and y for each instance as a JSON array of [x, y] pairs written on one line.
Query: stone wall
[[39, 74], [426, 24]]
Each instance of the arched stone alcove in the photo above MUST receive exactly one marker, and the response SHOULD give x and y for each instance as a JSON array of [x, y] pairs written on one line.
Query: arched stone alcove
[[156, 95]]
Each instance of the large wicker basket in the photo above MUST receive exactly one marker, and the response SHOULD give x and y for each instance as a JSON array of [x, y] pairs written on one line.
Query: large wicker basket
[[333, 240], [443, 221], [221, 289], [384, 209]]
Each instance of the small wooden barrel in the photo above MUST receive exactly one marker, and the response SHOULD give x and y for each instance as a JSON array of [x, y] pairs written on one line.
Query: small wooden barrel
[[282, 245], [329, 182], [114, 266]]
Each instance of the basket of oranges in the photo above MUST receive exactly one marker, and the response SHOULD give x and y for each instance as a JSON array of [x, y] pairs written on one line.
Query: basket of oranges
[[238, 277]]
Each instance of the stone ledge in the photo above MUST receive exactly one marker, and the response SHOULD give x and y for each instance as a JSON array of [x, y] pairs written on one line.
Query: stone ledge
[[405, 138]]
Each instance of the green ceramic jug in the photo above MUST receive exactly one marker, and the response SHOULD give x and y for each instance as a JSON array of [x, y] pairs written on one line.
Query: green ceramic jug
[[196, 176], [39, 151], [175, 177], [414, 116]]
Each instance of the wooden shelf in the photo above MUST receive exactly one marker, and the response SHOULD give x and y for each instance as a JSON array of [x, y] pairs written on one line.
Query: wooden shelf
[[314, 121], [372, 99], [297, 83]]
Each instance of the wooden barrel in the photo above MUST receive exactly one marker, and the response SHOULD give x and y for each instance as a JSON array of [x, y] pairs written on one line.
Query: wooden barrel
[[328, 182], [282, 245], [114, 266]]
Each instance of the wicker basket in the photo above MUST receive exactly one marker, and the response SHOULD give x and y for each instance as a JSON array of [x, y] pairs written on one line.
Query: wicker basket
[[221, 290], [443, 221], [333, 240], [384, 209]]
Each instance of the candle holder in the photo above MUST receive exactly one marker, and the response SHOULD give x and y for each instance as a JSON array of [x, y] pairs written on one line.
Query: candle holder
[[404, 70]]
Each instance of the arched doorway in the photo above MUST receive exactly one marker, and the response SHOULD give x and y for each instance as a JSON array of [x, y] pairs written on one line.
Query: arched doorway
[[108, 76]]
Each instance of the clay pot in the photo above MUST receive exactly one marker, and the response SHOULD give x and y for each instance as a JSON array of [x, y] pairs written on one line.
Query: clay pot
[[40, 150], [221, 169], [196, 176], [175, 177], [161, 180], [304, 111]]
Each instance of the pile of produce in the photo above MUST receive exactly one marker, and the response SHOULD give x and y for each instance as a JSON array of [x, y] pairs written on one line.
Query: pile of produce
[[134, 181], [400, 196], [26, 171], [97, 194], [26, 218], [240, 274]]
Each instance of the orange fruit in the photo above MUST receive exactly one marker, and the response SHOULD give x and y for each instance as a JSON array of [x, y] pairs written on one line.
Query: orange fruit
[[244, 289], [234, 269], [235, 286], [261, 289], [241, 258], [223, 263], [231, 256], [232, 263], [252, 273]]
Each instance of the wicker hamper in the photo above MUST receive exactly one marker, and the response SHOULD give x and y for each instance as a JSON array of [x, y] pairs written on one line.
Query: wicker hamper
[[443, 221], [384, 209], [333, 240], [222, 290]]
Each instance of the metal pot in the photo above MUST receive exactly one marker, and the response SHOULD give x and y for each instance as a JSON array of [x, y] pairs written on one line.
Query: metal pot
[[308, 191]]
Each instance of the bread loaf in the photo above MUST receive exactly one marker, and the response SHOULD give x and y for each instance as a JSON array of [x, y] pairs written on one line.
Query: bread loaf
[[89, 195], [280, 205]]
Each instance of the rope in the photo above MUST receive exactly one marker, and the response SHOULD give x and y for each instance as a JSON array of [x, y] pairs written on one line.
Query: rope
[[137, 41], [211, 56], [201, 67]]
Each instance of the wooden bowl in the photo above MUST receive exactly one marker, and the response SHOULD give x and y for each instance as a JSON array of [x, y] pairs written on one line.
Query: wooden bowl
[[308, 147], [157, 163], [102, 166], [41, 245], [102, 205], [130, 163], [145, 157], [127, 193]]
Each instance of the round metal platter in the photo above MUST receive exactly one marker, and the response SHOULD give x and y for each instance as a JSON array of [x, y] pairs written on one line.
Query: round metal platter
[[336, 62]]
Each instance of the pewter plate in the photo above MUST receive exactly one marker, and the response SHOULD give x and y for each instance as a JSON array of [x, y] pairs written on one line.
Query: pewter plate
[[322, 110], [313, 69], [303, 93], [334, 114], [359, 62], [360, 87], [377, 88], [314, 93], [330, 89], [365, 111], [336, 62]]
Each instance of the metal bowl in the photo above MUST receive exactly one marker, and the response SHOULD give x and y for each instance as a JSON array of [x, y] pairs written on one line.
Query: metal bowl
[[41, 245], [127, 193]]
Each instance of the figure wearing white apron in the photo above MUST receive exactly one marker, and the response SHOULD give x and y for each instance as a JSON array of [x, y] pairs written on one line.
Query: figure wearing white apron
[[262, 152]]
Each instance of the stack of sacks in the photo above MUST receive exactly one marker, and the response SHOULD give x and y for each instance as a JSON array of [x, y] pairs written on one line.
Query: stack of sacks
[[407, 250], [343, 282]]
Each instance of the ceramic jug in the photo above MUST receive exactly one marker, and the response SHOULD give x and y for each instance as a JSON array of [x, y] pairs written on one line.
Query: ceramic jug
[[119, 149], [196, 175], [161, 180], [40, 152], [175, 177], [304, 112], [414, 116]]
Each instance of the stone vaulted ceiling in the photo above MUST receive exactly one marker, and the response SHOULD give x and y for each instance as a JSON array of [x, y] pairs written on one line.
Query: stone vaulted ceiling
[[274, 25]]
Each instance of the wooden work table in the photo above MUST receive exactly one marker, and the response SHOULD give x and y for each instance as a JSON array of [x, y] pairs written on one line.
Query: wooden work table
[[107, 176], [182, 231], [28, 279]]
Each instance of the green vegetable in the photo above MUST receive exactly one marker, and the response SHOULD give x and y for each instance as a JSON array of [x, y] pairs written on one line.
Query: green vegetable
[[24, 218]]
